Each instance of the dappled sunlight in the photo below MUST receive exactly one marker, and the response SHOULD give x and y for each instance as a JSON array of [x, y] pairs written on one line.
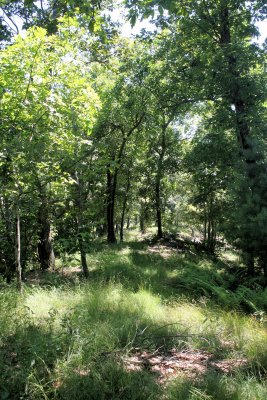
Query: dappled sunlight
[[125, 251], [188, 315], [42, 303], [141, 317]]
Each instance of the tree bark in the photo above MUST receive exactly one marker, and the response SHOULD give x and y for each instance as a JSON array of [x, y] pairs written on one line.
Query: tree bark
[[158, 209], [83, 256], [80, 223], [142, 224], [111, 237], [113, 175], [254, 168], [124, 207], [159, 179], [18, 252], [45, 245]]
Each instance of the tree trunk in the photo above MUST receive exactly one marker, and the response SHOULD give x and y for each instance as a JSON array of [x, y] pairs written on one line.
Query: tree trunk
[[142, 223], [263, 264], [18, 253], [205, 224], [128, 223], [45, 245], [111, 237], [158, 209], [112, 179], [158, 199], [8, 250], [80, 222], [8, 218], [250, 264], [83, 256], [124, 207], [254, 168]]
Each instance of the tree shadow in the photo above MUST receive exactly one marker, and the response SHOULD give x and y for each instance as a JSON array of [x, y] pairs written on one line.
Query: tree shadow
[[85, 356], [107, 379], [27, 357]]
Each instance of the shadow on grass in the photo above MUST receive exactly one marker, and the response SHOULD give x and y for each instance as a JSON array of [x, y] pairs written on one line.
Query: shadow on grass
[[135, 265], [27, 359], [82, 356], [108, 380], [175, 276]]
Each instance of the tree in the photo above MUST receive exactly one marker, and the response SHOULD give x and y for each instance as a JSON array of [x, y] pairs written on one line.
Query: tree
[[210, 160], [46, 14], [216, 36], [38, 128], [123, 112]]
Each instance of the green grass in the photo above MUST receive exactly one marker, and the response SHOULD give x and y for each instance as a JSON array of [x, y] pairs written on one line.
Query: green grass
[[66, 338]]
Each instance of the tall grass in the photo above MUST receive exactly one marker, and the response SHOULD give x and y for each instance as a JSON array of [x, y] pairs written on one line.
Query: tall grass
[[67, 339]]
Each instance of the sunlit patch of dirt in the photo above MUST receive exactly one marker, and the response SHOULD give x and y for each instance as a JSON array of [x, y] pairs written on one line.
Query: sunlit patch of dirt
[[174, 363], [227, 366]]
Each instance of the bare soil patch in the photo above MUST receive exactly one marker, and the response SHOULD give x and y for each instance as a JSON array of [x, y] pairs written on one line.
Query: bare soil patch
[[169, 365]]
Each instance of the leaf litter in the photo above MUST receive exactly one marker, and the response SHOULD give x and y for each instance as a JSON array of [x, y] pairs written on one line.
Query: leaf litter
[[169, 365]]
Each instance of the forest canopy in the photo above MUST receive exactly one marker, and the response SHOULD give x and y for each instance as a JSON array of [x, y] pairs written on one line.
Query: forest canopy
[[101, 133]]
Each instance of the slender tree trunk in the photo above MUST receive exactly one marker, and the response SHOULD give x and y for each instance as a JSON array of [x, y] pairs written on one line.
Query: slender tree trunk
[[250, 264], [111, 237], [142, 222], [8, 218], [205, 225], [80, 223], [128, 223], [18, 253], [8, 251], [142, 225], [159, 179], [263, 263], [124, 207], [211, 238], [83, 256], [112, 179], [209, 233], [158, 209]]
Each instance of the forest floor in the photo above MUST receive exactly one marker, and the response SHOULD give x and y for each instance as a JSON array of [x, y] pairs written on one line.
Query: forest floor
[[153, 321]]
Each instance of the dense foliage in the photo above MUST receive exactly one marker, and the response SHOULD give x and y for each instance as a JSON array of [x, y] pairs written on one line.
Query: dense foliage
[[100, 131]]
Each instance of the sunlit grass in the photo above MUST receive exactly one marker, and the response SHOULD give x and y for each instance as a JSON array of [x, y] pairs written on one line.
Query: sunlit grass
[[66, 340], [42, 303]]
